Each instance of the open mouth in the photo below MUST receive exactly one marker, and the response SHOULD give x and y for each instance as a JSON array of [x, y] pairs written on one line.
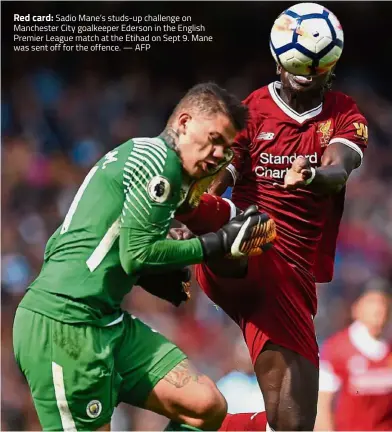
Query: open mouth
[[302, 80], [208, 166]]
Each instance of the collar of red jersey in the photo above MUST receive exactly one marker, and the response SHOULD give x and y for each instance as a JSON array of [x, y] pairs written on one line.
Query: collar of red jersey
[[374, 349], [300, 118]]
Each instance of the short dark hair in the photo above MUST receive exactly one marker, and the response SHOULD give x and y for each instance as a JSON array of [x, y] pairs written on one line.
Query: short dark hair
[[377, 285], [211, 99]]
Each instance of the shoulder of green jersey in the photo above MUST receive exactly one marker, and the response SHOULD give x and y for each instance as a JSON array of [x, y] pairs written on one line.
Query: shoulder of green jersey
[[150, 152], [144, 179], [109, 158], [154, 144]]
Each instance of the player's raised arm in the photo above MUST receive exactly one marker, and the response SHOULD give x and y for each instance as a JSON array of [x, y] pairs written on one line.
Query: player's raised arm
[[343, 154], [337, 164]]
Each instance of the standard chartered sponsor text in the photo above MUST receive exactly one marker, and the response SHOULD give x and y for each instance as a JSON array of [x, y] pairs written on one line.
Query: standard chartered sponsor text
[[268, 160]]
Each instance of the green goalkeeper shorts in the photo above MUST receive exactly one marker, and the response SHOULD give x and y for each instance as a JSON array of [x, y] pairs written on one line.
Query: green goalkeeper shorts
[[77, 374]]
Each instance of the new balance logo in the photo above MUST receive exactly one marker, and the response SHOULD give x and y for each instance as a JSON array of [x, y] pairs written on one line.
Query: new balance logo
[[265, 136]]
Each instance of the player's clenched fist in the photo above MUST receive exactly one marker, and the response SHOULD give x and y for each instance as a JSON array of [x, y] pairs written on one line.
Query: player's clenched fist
[[245, 235], [297, 176], [179, 231]]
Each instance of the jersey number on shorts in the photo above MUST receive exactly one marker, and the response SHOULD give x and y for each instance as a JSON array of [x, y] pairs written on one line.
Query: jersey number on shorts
[[108, 239]]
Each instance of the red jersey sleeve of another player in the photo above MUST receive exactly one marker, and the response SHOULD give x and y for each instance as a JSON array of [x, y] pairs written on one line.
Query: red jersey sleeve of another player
[[245, 137], [351, 128], [331, 373]]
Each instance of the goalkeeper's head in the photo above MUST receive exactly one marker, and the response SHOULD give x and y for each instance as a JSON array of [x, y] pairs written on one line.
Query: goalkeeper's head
[[203, 126]]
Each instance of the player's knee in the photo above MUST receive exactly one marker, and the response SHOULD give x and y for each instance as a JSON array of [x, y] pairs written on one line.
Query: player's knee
[[291, 391], [284, 420], [290, 414], [210, 407]]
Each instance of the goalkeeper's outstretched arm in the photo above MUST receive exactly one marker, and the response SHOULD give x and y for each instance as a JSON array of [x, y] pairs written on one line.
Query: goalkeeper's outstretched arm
[[143, 249]]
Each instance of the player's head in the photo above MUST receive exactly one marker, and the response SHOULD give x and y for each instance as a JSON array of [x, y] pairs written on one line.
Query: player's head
[[205, 122], [316, 84], [373, 307]]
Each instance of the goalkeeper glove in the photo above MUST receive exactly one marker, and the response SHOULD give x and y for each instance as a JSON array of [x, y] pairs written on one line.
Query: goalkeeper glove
[[173, 286], [245, 235]]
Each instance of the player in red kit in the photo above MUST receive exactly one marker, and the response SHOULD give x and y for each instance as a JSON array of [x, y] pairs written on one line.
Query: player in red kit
[[293, 160], [356, 368]]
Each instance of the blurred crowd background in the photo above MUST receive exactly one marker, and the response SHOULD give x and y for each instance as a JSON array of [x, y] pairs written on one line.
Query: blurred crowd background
[[62, 111]]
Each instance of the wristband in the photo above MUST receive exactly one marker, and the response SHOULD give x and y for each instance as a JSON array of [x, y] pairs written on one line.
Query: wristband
[[212, 245], [311, 178], [233, 172]]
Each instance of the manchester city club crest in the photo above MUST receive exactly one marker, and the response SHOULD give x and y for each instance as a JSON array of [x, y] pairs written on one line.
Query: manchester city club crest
[[94, 408]]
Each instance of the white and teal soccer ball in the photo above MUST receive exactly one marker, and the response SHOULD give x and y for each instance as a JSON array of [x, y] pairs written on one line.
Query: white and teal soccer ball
[[306, 39]]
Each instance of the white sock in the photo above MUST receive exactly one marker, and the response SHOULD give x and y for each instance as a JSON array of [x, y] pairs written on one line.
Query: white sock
[[269, 428]]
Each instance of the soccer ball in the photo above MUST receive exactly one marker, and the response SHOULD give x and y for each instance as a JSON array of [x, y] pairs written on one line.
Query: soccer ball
[[306, 39]]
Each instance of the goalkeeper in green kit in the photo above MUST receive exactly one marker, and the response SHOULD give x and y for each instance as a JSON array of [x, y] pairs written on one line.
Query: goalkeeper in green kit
[[82, 354]]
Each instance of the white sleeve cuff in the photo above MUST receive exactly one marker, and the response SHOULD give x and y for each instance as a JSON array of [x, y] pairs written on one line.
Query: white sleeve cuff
[[233, 208], [328, 381], [348, 143], [232, 170]]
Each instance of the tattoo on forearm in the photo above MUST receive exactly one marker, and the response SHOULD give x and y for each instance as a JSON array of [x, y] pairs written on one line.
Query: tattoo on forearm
[[182, 374]]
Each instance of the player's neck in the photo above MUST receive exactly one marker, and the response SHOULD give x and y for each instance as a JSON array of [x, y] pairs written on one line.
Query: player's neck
[[170, 136], [300, 102], [375, 333]]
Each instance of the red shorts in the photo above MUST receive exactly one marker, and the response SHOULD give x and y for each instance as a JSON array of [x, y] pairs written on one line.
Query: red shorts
[[274, 302]]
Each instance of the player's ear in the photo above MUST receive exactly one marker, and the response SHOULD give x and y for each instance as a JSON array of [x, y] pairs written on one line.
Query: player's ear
[[183, 120], [278, 69]]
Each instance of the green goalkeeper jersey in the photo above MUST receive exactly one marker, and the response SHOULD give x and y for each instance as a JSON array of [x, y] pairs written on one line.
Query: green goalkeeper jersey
[[115, 228]]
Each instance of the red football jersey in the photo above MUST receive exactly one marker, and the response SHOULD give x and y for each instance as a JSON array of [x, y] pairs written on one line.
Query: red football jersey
[[307, 223], [359, 368]]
